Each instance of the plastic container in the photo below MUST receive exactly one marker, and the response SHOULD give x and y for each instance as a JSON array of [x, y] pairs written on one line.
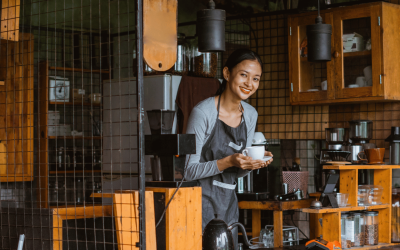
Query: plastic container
[[203, 64], [362, 196], [396, 215], [371, 228], [345, 243], [342, 199], [359, 237]]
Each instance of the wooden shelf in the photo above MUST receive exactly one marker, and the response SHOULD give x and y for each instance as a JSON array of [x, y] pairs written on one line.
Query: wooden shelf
[[380, 245], [80, 70], [76, 137], [356, 167], [343, 209], [357, 53], [76, 104], [75, 172], [15, 178]]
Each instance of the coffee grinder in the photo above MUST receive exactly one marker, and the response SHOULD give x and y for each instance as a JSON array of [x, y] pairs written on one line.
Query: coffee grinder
[[335, 138], [247, 190], [169, 150], [361, 134]]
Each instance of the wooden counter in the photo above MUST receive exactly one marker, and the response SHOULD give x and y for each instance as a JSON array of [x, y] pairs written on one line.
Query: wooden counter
[[278, 207]]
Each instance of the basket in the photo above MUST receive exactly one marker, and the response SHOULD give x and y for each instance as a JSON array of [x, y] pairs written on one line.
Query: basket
[[296, 179]]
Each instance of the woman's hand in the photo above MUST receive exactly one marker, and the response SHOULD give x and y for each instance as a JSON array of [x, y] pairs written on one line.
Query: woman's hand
[[246, 162], [267, 153]]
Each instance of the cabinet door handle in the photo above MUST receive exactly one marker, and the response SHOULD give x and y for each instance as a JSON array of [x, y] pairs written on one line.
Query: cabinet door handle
[[335, 54]]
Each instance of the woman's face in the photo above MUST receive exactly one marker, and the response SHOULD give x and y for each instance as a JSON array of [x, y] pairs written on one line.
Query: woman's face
[[244, 79]]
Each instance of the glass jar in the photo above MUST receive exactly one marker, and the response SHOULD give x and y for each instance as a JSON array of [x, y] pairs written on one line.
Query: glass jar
[[181, 66], [183, 56], [203, 64], [363, 194], [349, 228], [371, 228], [396, 215], [345, 242], [375, 195], [359, 236]]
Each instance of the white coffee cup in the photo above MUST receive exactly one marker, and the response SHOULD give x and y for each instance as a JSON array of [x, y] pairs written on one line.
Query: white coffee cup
[[257, 152], [324, 85], [368, 72], [361, 81]]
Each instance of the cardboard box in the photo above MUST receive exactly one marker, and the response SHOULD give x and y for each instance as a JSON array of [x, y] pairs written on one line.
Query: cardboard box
[[78, 95], [353, 42]]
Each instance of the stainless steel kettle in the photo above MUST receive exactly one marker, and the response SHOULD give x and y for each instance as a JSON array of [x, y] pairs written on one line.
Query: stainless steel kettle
[[217, 235]]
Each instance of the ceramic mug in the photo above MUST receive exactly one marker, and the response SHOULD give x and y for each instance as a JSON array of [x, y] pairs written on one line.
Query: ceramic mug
[[374, 155], [361, 81], [324, 85], [368, 73], [257, 152]]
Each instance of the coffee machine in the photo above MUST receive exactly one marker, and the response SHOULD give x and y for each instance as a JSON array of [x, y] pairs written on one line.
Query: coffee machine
[[169, 150], [361, 134], [246, 188]]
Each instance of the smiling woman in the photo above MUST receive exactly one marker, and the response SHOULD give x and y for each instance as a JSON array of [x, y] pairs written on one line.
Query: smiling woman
[[224, 126]]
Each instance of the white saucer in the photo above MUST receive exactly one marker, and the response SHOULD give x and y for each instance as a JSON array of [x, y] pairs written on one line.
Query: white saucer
[[267, 158]]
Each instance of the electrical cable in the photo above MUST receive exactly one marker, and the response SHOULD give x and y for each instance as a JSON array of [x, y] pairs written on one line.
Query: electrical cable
[[291, 216], [169, 202]]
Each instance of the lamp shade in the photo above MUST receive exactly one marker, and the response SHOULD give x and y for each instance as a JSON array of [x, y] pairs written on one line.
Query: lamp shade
[[319, 41], [210, 29]]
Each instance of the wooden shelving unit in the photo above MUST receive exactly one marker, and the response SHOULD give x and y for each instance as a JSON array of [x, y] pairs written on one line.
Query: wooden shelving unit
[[75, 104], [75, 172], [357, 53], [349, 184], [17, 119], [75, 137], [44, 138]]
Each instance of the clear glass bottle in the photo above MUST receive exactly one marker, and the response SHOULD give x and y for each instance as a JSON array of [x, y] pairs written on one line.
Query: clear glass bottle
[[203, 64], [359, 237], [371, 228], [345, 242]]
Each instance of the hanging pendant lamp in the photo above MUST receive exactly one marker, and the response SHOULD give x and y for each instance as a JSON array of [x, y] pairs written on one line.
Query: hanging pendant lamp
[[319, 40], [210, 29]]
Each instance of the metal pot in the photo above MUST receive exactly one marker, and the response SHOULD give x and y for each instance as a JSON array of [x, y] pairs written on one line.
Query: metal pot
[[217, 235], [354, 150], [337, 135], [361, 131]]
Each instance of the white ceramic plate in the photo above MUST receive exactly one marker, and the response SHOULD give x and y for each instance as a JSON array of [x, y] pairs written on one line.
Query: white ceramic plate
[[312, 90], [267, 158], [353, 86]]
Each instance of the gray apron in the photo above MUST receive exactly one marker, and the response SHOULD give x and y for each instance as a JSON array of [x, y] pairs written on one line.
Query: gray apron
[[218, 191]]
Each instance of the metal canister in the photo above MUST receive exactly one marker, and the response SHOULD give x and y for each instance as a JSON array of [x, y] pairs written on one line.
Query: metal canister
[[394, 140]]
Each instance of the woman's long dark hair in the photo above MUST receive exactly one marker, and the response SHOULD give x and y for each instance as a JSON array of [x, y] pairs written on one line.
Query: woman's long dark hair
[[234, 59]]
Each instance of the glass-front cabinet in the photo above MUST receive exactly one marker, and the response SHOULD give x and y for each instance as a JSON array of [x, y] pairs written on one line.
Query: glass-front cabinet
[[364, 44], [310, 80], [357, 39]]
